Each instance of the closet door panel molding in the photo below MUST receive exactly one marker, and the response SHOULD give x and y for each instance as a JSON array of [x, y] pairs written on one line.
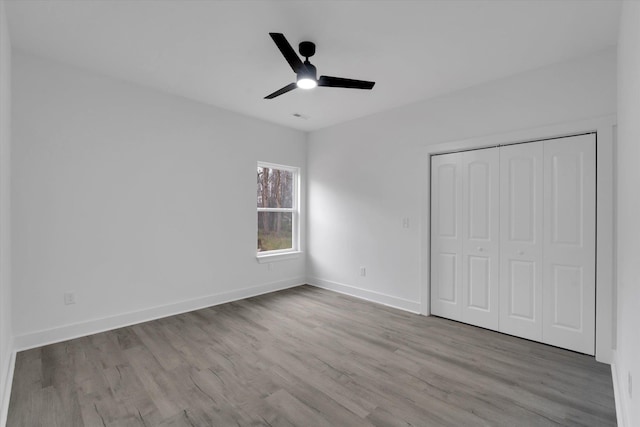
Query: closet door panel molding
[[569, 243], [446, 239], [521, 216], [480, 237]]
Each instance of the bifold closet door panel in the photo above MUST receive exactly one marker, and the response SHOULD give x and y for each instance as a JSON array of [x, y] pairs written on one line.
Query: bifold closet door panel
[[521, 231], [569, 243], [446, 236], [480, 237]]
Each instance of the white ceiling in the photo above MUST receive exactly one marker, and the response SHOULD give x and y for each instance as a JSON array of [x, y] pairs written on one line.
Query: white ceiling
[[220, 52]]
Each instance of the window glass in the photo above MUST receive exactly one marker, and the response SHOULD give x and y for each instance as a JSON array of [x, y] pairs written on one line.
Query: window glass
[[277, 207], [275, 231]]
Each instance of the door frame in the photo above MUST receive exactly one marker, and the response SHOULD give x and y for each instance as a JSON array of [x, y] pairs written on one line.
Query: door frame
[[604, 128]]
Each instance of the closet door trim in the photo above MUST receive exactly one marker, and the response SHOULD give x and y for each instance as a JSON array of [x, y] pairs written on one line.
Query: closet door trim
[[604, 128]]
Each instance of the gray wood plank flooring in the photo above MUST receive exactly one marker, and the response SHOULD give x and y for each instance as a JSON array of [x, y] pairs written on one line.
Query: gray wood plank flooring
[[307, 357]]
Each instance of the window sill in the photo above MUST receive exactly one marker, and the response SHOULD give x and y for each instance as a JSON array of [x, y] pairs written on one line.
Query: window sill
[[263, 259]]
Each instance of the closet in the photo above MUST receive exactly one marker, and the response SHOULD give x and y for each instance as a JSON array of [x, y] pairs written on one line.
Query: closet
[[513, 239]]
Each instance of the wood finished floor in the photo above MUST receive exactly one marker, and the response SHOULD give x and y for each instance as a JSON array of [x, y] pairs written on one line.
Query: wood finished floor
[[306, 357]]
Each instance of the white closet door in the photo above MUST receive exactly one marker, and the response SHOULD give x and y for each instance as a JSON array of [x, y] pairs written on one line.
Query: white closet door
[[480, 237], [569, 243], [521, 223], [446, 235]]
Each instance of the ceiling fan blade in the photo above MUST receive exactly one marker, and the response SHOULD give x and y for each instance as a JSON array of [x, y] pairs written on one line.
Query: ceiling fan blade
[[346, 83], [279, 92], [287, 51]]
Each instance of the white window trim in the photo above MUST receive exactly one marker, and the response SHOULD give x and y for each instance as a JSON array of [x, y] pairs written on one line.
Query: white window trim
[[294, 252], [271, 256]]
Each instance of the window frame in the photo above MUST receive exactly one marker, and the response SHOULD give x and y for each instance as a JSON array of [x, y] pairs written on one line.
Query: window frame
[[294, 251]]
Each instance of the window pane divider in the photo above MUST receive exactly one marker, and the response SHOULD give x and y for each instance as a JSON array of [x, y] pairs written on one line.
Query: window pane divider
[[276, 210]]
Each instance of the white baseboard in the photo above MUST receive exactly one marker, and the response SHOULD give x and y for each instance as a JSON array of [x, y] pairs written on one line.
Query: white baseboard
[[6, 393], [76, 330], [388, 300], [618, 393]]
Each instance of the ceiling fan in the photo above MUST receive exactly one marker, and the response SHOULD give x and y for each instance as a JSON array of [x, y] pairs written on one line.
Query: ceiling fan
[[306, 72]]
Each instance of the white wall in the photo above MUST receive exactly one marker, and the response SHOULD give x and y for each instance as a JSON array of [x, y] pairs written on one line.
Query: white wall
[[366, 175], [628, 211], [6, 337], [133, 200]]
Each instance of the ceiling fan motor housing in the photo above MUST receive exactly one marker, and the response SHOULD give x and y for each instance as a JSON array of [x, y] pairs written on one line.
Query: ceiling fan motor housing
[[307, 49]]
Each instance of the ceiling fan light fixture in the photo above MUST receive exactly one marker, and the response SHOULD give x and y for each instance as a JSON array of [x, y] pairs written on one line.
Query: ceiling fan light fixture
[[306, 72], [306, 83]]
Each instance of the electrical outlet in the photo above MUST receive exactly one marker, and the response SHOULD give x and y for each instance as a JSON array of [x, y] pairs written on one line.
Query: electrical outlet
[[405, 222], [69, 298], [630, 381], [270, 266], [363, 271]]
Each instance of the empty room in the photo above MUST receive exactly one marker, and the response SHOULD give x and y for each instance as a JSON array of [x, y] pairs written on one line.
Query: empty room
[[443, 229]]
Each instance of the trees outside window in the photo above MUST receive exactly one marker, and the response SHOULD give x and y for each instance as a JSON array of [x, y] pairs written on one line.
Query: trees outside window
[[277, 208]]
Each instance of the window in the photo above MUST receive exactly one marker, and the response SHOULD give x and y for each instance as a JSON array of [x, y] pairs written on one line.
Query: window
[[277, 217]]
